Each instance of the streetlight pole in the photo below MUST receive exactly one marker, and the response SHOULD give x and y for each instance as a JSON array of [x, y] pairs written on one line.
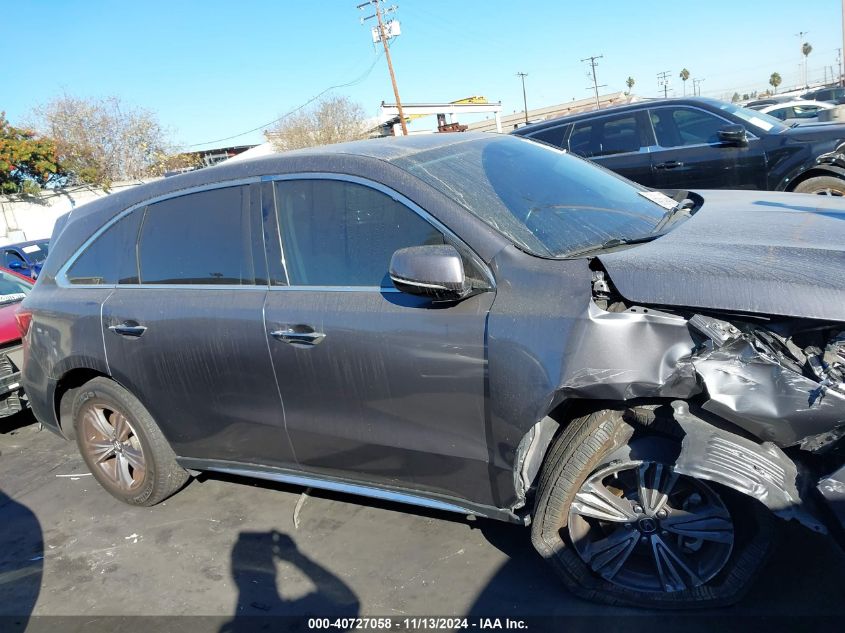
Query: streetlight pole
[[522, 76]]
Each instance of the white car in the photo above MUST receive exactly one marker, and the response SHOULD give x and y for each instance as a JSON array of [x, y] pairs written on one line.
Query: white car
[[800, 111]]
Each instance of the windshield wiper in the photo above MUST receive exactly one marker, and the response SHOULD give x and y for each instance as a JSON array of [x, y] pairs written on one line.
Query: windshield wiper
[[674, 214], [615, 241]]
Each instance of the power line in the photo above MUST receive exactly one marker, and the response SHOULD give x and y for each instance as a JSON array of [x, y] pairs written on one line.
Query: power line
[[596, 86], [354, 82], [663, 80]]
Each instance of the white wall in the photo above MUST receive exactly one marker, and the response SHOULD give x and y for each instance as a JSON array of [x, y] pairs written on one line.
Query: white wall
[[30, 218]]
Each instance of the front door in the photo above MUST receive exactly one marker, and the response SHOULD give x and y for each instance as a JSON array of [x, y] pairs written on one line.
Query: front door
[[689, 154], [187, 335], [377, 385]]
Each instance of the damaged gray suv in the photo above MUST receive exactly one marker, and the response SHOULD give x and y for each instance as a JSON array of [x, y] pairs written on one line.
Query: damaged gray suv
[[474, 323]]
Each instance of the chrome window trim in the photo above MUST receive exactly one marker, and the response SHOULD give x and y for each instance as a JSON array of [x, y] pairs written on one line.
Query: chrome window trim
[[61, 275], [391, 193]]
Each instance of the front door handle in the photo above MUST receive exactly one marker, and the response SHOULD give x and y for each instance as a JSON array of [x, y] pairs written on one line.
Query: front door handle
[[129, 328], [302, 335], [669, 164]]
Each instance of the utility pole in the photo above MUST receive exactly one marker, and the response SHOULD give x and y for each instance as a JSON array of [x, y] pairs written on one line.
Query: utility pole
[[524, 100], [663, 80], [593, 65], [841, 73], [384, 36], [839, 60]]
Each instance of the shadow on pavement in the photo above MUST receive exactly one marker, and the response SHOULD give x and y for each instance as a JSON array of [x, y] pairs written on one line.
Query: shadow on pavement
[[21, 563], [256, 558]]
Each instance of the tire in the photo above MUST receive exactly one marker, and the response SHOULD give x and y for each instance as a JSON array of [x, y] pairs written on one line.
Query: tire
[[822, 185], [122, 445], [579, 461]]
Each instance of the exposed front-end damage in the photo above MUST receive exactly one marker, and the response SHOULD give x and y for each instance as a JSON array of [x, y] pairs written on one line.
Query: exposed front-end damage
[[759, 402]]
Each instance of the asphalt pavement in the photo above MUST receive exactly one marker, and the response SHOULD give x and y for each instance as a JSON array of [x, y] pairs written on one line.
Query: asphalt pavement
[[226, 547]]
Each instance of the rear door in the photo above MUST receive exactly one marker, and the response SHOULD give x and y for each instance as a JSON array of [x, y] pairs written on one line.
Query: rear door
[[378, 385], [689, 154], [184, 330], [619, 142]]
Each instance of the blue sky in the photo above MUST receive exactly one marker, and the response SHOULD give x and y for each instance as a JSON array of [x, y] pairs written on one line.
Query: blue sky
[[213, 69]]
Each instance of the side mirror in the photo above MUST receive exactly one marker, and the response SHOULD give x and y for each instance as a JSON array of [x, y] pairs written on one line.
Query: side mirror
[[733, 134], [436, 272], [16, 265]]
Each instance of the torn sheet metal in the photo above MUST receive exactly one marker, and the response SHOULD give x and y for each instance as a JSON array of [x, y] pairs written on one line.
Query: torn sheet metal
[[761, 471], [645, 353]]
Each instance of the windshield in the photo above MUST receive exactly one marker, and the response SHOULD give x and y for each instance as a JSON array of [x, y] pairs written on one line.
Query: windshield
[[765, 122], [12, 289], [546, 201], [36, 253]]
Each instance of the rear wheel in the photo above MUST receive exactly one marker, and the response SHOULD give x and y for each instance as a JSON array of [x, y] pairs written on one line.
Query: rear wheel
[[632, 531], [122, 446], [823, 186]]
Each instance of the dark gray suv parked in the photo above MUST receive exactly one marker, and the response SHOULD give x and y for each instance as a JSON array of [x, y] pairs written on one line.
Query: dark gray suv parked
[[479, 324]]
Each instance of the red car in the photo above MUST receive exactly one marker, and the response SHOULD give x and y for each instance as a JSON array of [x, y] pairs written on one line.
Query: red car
[[13, 289]]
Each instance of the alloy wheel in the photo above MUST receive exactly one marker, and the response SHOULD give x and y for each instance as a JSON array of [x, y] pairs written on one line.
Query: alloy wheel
[[829, 191], [113, 447], [644, 527]]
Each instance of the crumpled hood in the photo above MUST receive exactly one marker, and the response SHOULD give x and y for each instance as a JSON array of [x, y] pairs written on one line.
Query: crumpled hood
[[760, 252]]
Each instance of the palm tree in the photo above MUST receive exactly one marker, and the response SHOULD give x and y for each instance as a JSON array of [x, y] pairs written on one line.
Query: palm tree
[[630, 83], [806, 49], [775, 80], [684, 76]]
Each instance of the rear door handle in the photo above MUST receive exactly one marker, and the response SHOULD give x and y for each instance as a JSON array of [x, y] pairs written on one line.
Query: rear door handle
[[669, 164], [302, 335], [129, 328]]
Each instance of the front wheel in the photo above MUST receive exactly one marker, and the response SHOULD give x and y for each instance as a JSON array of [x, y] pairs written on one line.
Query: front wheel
[[823, 186], [122, 445], [632, 531]]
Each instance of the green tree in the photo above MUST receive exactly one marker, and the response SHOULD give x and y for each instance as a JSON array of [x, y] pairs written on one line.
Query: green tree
[[775, 80], [630, 83], [27, 161], [735, 98], [806, 49], [684, 76]]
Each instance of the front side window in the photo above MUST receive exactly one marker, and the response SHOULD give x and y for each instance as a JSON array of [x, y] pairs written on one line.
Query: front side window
[[676, 127], [551, 135], [337, 233], [12, 259], [606, 136], [110, 258], [198, 238]]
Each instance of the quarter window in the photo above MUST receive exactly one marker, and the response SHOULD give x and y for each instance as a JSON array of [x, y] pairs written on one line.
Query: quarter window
[[199, 238], [676, 127], [338, 233], [110, 259], [606, 136]]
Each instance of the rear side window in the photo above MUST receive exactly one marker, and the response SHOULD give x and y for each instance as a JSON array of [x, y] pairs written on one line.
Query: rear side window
[[606, 136], [109, 259], [339, 233], [199, 238]]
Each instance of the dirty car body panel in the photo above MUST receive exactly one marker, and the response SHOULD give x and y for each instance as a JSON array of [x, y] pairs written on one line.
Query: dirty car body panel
[[735, 312]]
